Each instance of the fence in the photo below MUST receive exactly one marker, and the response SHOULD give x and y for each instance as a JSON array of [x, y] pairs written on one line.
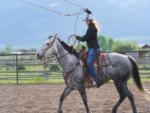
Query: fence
[[143, 60], [26, 68]]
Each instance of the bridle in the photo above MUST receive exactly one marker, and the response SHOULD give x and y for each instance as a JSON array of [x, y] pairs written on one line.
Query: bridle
[[65, 73], [49, 46], [59, 49]]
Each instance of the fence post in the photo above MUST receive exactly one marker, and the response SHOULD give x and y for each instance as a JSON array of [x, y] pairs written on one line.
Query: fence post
[[17, 68]]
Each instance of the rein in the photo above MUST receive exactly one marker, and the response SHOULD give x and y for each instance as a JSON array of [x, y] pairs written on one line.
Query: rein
[[64, 56], [61, 55], [67, 73]]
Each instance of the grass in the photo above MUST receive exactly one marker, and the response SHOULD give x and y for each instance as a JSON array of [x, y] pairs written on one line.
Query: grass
[[42, 80], [143, 80], [34, 81], [50, 81]]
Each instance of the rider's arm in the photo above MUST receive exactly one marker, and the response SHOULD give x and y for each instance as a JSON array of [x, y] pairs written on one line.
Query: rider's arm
[[90, 33], [81, 38]]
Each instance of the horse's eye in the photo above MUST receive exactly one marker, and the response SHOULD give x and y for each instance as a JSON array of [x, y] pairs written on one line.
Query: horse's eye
[[47, 44]]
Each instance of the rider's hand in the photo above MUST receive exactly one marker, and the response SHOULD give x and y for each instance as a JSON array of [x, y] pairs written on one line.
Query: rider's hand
[[77, 37]]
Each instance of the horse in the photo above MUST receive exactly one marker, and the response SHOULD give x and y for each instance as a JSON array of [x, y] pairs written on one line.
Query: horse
[[122, 67]]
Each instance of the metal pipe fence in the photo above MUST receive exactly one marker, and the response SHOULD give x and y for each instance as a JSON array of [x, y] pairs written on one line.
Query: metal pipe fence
[[26, 68]]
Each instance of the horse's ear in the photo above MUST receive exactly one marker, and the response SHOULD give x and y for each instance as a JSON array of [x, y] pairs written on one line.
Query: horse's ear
[[55, 36], [50, 36]]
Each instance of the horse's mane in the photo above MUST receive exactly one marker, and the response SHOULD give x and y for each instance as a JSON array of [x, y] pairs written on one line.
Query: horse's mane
[[70, 49]]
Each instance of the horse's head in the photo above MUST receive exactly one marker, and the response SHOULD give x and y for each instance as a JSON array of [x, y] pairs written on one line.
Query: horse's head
[[47, 50]]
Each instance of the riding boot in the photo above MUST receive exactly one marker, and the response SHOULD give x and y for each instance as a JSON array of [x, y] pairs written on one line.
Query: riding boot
[[94, 84]]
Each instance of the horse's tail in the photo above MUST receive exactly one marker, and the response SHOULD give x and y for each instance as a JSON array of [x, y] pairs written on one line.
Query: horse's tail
[[136, 75], [137, 80]]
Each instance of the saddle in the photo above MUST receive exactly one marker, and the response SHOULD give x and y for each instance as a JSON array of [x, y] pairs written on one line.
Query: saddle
[[102, 61]]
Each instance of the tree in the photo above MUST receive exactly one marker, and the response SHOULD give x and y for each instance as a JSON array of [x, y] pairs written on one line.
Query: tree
[[108, 44], [125, 46]]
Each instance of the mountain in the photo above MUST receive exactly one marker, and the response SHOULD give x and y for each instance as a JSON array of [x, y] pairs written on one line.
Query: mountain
[[26, 26]]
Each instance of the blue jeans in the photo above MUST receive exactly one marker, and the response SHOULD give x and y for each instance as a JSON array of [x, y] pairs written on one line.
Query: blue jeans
[[92, 52]]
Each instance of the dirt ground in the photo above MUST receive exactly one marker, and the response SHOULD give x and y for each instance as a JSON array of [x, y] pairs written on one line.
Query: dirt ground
[[45, 99]]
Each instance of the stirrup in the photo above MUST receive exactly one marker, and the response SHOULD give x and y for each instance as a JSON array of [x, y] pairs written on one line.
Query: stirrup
[[94, 84]]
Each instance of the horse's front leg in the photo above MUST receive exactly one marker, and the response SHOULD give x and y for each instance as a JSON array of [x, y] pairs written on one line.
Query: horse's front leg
[[82, 92], [66, 92]]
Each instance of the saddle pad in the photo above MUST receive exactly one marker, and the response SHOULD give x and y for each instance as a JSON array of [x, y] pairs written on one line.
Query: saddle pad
[[103, 59]]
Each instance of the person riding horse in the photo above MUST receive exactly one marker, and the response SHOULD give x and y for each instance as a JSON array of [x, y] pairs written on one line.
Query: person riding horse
[[93, 46]]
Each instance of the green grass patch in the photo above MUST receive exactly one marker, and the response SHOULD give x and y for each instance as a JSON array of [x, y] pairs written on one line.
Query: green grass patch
[[41, 81], [34, 81], [143, 80]]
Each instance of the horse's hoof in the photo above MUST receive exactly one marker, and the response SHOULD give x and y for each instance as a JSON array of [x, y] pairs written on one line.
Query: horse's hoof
[[60, 112], [114, 112]]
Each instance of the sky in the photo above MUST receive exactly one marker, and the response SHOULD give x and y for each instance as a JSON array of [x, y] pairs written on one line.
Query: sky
[[26, 26]]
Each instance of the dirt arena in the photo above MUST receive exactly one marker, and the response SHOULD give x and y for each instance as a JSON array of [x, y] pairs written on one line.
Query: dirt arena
[[45, 99]]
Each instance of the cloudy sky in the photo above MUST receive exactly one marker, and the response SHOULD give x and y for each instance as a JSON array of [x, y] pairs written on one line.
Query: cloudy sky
[[26, 26]]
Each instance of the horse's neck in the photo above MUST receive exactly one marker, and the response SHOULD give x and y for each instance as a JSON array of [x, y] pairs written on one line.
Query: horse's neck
[[66, 60]]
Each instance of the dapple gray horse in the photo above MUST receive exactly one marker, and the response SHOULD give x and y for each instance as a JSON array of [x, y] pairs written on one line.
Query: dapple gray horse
[[119, 71]]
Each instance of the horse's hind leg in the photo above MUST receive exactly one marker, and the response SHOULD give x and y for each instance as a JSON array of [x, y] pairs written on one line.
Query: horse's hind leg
[[124, 92], [65, 93], [120, 89], [82, 92], [130, 96]]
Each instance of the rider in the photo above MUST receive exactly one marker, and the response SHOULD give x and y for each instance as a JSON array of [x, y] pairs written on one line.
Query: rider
[[93, 46]]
